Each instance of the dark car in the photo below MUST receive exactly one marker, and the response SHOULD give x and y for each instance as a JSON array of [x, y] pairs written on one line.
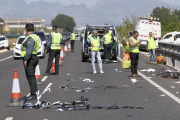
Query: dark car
[[42, 36]]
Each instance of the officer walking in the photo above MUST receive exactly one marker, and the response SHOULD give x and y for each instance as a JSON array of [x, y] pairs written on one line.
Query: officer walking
[[134, 53], [29, 49], [94, 42], [73, 38], [151, 47], [54, 48]]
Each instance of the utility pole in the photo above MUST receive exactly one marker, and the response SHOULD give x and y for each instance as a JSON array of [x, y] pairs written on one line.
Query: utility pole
[[148, 14]]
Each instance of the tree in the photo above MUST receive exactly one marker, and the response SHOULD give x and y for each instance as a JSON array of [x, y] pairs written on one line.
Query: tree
[[1, 20], [65, 22]]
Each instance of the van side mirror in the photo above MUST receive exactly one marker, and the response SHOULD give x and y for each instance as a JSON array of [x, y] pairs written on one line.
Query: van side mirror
[[14, 44]]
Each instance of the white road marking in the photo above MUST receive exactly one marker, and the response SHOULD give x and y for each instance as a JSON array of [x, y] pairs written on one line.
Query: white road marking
[[6, 58], [44, 78], [159, 87], [9, 118]]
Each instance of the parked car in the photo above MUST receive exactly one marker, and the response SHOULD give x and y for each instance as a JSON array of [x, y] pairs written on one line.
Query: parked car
[[42, 36], [17, 48], [172, 37], [4, 43]]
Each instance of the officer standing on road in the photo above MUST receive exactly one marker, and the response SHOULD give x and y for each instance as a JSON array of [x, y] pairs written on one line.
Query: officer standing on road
[[73, 38], [29, 50], [134, 53], [95, 46], [151, 47], [54, 48]]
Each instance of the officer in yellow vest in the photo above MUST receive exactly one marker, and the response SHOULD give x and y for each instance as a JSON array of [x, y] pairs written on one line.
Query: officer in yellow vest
[[54, 52], [125, 49], [73, 38], [93, 43], [29, 49], [151, 47], [134, 53]]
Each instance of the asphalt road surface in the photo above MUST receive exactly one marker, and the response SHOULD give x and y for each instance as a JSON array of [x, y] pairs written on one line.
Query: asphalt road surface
[[157, 103]]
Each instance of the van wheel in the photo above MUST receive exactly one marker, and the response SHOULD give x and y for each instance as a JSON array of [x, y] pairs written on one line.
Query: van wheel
[[8, 48]]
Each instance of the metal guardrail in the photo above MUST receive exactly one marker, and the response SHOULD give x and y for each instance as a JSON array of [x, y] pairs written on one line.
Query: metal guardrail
[[171, 52]]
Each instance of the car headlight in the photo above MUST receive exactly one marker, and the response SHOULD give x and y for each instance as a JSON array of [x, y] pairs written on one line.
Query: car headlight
[[17, 48]]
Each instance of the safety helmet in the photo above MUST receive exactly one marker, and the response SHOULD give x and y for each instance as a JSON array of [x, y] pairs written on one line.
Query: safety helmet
[[160, 60]]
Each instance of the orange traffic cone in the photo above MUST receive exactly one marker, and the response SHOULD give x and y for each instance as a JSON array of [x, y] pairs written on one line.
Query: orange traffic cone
[[65, 48], [53, 66], [60, 63], [16, 94], [61, 53], [69, 47], [37, 75]]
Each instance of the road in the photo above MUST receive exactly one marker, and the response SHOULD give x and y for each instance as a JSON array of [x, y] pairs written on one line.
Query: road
[[156, 103]]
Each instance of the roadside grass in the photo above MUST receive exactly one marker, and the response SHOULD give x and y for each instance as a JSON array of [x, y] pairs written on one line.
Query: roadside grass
[[12, 40]]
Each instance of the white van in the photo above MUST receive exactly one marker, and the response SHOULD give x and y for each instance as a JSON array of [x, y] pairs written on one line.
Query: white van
[[172, 37], [144, 26]]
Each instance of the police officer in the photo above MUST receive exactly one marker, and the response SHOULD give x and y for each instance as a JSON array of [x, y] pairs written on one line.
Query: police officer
[[134, 53], [151, 47], [125, 49], [73, 38], [93, 43], [29, 49], [54, 48]]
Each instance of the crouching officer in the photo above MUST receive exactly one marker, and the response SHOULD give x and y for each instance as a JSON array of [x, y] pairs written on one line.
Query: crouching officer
[[54, 52], [125, 49], [29, 50]]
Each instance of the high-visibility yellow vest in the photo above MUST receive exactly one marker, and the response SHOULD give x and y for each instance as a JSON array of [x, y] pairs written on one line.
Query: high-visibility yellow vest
[[126, 48], [151, 43], [36, 44], [107, 38], [73, 36], [56, 40], [134, 49], [110, 32], [95, 43]]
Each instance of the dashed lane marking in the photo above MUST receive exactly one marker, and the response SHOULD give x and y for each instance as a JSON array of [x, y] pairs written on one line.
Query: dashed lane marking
[[6, 58], [9, 118], [159, 87]]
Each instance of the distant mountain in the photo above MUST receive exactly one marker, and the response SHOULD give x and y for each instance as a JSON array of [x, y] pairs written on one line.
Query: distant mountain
[[104, 11]]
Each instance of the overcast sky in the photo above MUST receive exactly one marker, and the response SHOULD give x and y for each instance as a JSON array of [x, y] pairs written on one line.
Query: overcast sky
[[90, 3]]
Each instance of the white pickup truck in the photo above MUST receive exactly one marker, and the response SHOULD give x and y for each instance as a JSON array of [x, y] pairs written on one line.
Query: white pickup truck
[[172, 37]]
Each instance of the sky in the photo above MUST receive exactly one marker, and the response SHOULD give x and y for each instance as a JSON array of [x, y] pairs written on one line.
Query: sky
[[90, 3]]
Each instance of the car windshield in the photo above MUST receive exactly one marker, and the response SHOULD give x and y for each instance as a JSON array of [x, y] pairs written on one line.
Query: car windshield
[[20, 40], [41, 35], [2, 38]]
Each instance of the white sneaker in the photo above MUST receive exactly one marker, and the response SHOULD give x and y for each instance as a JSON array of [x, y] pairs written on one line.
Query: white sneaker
[[94, 72], [101, 72]]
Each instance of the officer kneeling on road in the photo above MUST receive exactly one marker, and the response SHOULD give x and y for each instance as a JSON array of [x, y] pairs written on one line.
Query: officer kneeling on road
[[54, 48], [29, 50], [94, 42]]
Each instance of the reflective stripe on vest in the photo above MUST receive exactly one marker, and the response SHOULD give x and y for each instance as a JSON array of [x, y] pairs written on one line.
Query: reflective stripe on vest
[[36, 44], [56, 40], [73, 36], [107, 38], [95, 43], [126, 48], [134, 49], [151, 43]]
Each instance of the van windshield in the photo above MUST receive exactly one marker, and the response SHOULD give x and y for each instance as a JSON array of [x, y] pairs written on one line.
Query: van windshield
[[178, 36]]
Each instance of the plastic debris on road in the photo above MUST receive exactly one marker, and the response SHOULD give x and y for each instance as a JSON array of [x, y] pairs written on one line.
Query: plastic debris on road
[[60, 110], [177, 82], [81, 91], [134, 80], [70, 79], [116, 70], [126, 86], [148, 70], [120, 71], [88, 80], [88, 88], [177, 92], [173, 87], [68, 74], [163, 95], [66, 90]]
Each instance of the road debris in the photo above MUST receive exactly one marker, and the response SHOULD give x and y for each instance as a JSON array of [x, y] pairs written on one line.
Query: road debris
[[126, 86], [163, 95], [134, 81], [173, 87], [148, 70], [88, 80]]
